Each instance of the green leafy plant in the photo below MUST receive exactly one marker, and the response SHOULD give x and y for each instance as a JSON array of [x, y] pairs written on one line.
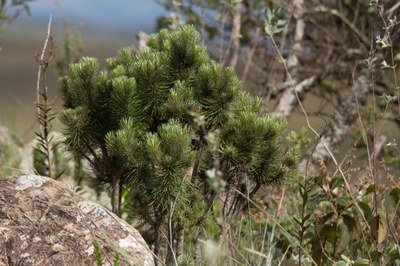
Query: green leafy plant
[[10, 157], [335, 222], [99, 257], [46, 157], [97, 252], [73, 49], [159, 121], [273, 24]]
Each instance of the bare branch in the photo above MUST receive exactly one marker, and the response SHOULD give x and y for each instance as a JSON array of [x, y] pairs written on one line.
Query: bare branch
[[288, 100], [235, 37], [44, 106], [336, 13], [42, 68], [346, 115], [379, 144]]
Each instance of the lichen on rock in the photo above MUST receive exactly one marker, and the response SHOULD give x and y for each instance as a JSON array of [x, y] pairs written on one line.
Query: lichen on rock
[[44, 222]]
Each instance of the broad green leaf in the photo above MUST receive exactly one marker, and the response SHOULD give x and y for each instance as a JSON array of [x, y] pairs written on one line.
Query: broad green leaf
[[366, 209], [297, 220], [393, 254], [395, 195], [345, 258], [317, 180], [315, 199], [371, 189], [301, 190], [342, 238], [326, 217], [349, 222], [343, 201], [362, 262], [340, 263], [393, 201], [273, 24], [328, 232], [336, 181]]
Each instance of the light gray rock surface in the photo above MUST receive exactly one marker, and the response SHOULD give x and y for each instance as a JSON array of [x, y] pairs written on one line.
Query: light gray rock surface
[[44, 222], [68, 165]]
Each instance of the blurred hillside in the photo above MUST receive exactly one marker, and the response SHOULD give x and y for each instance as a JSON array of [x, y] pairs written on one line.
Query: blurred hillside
[[105, 26]]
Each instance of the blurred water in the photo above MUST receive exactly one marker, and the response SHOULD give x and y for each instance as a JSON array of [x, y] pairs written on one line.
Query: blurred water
[[105, 25], [105, 14]]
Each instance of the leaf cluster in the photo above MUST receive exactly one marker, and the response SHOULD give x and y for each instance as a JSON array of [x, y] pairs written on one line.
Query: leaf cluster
[[45, 152], [149, 117], [18, 6]]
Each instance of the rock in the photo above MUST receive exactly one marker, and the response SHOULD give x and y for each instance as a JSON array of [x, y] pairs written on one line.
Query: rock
[[142, 38], [44, 222], [66, 165]]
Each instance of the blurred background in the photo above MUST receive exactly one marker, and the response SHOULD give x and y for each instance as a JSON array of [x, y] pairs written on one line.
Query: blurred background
[[101, 27], [330, 67]]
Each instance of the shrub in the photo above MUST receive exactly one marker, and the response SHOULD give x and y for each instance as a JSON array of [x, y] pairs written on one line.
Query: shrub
[[172, 127]]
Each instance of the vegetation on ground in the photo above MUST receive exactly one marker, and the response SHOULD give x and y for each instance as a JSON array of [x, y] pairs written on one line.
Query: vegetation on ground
[[193, 161]]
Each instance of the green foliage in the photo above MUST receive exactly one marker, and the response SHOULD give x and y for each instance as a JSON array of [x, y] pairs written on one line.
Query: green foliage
[[150, 120], [60, 162], [46, 157], [15, 7], [97, 252], [73, 49], [116, 259], [39, 159], [95, 106], [157, 163], [99, 257], [325, 220], [388, 100], [300, 139], [273, 24], [79, 172], [10, 157]]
